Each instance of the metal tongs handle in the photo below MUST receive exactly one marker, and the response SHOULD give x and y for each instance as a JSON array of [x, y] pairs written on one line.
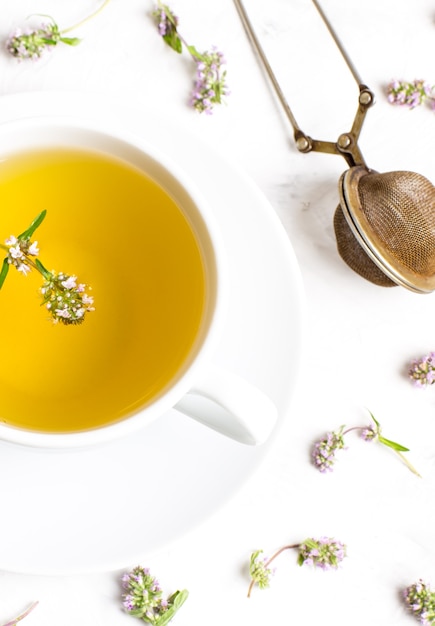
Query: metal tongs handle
[[347, 143]]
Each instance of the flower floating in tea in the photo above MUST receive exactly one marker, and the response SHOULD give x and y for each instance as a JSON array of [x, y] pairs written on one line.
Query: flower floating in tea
[[19, 252], [210, 84], [324, 450], [66, 300], [33, 43], [325, 553], [64, 297], [143, 598]]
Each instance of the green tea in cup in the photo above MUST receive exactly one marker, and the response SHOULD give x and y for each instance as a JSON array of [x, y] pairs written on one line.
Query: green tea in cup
[[120, 219], [125, 237]]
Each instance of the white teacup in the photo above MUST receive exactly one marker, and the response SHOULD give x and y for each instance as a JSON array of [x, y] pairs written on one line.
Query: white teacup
[[130, 224]]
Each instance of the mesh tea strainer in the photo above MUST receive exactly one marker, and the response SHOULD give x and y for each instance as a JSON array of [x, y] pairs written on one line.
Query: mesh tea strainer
[[385, 222]]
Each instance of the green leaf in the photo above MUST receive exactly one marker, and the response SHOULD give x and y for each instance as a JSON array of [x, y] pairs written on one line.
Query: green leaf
[[4, 271], [255, 555], [176, 601], [179, 598], [46, 274], [70, 41], [408, 464], [196, 55], [48, 42], [173, 41], [309, 543], [375, 420], [171, 37], [392, 444], [33, 226]]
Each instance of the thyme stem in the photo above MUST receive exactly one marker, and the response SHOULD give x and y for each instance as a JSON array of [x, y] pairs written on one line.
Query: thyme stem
[[86, 19], [22, 616]]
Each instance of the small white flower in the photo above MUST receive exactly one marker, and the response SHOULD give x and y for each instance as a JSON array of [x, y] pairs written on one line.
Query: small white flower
[[87, 299], [33, 249], [63, 313], [70, 282], [11, 241], [23, 268], [15, 252]]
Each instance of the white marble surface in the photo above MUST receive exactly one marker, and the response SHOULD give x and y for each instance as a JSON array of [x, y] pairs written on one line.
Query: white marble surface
[[359, 337]]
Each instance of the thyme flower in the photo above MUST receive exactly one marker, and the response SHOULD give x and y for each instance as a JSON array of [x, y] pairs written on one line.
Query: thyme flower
[[65, 299], [420, 600], [369, 433], [210, 80], [210, 83], [259, 570], [143, 598], [19, 251], [411, 94], [422, 371], [323, 452], [15, 621], [325, 553], [33, 43]]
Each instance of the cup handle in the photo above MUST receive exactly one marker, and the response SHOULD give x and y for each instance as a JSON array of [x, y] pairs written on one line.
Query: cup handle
[[230, 405]]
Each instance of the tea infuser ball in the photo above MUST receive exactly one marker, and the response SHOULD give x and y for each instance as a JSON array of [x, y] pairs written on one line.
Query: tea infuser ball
[[385, 227], [385, 222]]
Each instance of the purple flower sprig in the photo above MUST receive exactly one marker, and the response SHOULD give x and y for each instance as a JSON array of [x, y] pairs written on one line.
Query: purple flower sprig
[[420, 600], [422, 371], [325, 553], [66, 300], [143, 598], [411, 94], [15, 621], [210, 83], [324, 450], [32, 43]]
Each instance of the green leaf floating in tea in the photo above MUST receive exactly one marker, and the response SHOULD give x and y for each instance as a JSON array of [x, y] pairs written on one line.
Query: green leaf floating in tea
[[64, 297]]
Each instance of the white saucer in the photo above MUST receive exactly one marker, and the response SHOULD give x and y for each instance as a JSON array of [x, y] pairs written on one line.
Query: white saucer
[[104, 508]]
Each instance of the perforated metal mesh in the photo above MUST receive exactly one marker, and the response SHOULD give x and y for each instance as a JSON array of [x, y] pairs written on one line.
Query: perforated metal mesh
[[355, 257], [400, 209]]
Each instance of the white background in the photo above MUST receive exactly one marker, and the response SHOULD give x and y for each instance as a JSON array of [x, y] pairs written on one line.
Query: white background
[[359, 337]]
